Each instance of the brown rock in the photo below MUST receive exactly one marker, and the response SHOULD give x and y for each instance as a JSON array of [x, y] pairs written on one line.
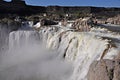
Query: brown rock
[[64, 22], [117, 70], [83, 24], [114, 20], [104, 70]]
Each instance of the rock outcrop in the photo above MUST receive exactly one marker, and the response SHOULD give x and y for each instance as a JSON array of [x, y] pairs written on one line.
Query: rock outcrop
[[83, 24], [99, 21], [63, 23], [44, 22], [115, 20], [104, 70], [19, 7]]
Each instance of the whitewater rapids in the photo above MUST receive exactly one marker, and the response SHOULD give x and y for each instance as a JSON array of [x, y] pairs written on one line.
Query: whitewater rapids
[[56, 53]]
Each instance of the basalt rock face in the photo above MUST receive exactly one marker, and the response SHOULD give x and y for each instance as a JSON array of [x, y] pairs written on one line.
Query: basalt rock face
[[105, 12], [68, 9], [104, 70], [19, 7]]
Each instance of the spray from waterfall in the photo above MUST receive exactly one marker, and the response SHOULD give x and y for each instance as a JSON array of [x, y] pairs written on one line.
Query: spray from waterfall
[[27, 59]]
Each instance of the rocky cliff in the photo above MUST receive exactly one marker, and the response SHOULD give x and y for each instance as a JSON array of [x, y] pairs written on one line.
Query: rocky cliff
[[21, 8], [104, 70]]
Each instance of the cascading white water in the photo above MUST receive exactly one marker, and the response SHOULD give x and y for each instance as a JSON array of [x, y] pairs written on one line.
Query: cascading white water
[[21, 37], [63, 54], [81, 48], [27, 59], [4, 32]]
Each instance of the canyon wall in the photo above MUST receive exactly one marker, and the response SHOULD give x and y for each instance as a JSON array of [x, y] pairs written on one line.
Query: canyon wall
[[21, 8]]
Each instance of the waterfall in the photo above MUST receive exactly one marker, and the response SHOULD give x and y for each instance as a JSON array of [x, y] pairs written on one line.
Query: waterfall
[[23, 38], [5, 29], [28, 58], [3, 37], [55, 53], [82, 48]]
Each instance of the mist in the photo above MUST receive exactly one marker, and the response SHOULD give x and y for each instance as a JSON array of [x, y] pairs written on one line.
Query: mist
[[33, 62]]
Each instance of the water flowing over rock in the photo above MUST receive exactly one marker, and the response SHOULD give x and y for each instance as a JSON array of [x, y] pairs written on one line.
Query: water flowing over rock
[[47, 54], [27, 59], [20, 38], [82, 48], [6, 26]]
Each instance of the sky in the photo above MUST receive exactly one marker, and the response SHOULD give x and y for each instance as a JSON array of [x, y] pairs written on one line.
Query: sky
[[98, 3]]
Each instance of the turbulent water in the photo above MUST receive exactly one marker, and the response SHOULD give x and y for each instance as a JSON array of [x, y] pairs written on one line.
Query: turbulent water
[[55, 53]]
